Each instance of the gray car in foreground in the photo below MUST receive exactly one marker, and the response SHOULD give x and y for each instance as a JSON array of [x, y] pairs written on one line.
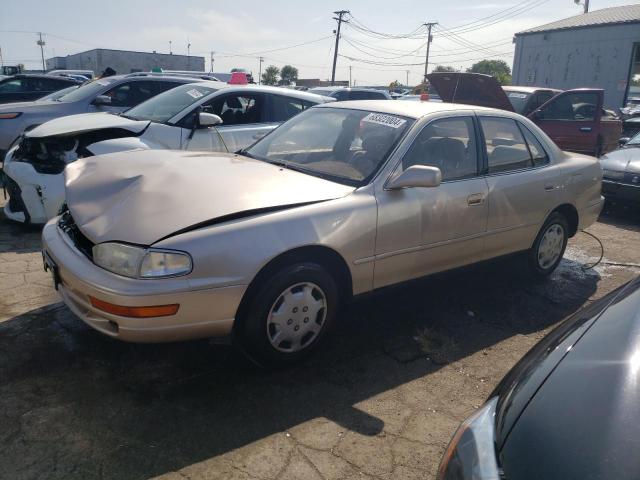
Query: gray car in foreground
[[112, 94], [569, 409], [342, 199]]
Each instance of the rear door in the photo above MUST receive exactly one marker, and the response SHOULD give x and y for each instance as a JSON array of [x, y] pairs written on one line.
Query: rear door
[[572, 120], [523, 185]]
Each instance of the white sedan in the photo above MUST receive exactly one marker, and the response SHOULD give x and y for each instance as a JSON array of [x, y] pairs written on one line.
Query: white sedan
[[206, 116]]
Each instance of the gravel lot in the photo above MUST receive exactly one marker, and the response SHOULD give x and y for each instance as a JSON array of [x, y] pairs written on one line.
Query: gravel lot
[[381, 400]]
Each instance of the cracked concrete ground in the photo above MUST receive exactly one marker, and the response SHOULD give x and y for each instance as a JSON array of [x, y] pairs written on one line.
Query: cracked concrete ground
[[380, 400]]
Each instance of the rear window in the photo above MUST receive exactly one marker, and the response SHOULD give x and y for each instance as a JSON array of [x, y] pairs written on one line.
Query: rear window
[[87, 90], [518, 100]]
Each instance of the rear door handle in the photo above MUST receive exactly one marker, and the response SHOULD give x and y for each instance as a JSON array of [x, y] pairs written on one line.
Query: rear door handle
[[475, 199], [548, 187], [585, 129]]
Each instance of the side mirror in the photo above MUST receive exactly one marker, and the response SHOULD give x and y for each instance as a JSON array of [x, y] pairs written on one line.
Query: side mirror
[[206, 120], [102, 100], [537, 115], [623, 141], [417, 176]]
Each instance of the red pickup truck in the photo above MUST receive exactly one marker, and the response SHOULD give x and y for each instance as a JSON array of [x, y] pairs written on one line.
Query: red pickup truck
[[575, 119]]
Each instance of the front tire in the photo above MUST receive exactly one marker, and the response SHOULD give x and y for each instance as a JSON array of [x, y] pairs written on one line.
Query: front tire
[[288, 314], [549, 246]]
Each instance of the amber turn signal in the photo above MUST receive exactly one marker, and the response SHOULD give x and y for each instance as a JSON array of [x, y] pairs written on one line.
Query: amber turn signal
[[135, 312]]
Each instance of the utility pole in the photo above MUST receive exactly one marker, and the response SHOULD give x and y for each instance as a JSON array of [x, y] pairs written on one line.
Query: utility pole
[[407, 84], [42, 44], [350, 67], [188, 55], [586, 6], [260, 71], [170, 52], [429, 40], [1, 60], [211, 62], [340, 14]]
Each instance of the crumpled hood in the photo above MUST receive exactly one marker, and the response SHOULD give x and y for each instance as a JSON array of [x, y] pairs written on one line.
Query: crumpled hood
[[622, 160], [86, 122], [140, 197]]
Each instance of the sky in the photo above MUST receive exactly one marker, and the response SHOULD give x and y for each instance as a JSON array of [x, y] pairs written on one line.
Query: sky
[[240, 32]]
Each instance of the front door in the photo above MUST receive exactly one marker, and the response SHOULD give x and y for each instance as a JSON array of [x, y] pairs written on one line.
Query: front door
[[244, 121], [426, 230], [572, 120]]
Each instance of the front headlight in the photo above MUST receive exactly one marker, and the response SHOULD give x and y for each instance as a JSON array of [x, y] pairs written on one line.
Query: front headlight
[[471, 452], [612, 174], [161, 263], [137, 262]]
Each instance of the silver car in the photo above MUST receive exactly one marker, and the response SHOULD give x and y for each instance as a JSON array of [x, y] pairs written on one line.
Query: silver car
[[340, 200], [112, 94]]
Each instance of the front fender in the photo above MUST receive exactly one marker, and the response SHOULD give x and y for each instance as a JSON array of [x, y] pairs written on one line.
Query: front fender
[[121, 145]]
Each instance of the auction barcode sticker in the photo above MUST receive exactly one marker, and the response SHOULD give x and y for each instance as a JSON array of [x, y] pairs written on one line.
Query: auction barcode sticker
[[195, 93], [387, 120]]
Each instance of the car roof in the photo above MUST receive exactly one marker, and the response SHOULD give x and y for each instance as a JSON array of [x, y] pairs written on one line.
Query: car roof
[[515, 88], [408, 109], [264, 89], [41, 75]]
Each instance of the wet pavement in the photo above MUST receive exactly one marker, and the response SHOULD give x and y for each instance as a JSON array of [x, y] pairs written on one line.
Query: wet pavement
[[381, 400]]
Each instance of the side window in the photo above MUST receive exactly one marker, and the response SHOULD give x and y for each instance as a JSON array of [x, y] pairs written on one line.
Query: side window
[[237, 108], [160, 87], [448, 144], [11, 86], [358, 95], [543, 98], [506, 147], [572, 106], [283, 108], [131, 94], [538, 155], [341, 95]]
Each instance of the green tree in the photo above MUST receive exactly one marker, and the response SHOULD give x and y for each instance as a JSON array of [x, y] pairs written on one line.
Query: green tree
[[444, 68], [496, 68], [288, 75], [270, 75]]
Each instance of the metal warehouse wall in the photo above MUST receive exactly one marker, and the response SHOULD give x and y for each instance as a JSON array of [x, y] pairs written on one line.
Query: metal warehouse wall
[[582, 57], [125, 61]]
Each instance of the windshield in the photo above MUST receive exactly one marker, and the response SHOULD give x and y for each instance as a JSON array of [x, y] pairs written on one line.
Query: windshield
[[58, 94], [86, 90], [322, 91], [165, 106], [518, 100], [343, 145], [635, 140]]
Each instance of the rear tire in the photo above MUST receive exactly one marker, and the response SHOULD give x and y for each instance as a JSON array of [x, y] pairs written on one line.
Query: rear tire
[[288, 315], [549, 246]]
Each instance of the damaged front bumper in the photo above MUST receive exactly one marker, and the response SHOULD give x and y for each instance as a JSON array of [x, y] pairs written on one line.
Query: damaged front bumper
[[34, 197]]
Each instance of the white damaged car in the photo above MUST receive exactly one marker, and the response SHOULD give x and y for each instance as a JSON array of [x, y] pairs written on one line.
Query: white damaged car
[[207, 116]]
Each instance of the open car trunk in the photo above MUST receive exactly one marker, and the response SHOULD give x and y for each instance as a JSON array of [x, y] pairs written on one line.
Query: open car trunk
[[470, 89]]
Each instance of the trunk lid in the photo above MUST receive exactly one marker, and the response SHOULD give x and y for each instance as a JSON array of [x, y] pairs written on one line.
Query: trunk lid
[[470, 89]]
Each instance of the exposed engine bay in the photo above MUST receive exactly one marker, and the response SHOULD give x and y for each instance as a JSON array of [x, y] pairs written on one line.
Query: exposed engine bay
[[50, 155]]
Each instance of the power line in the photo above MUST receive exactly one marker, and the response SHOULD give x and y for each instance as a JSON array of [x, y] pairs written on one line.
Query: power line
[[340, 13], [429, 25]]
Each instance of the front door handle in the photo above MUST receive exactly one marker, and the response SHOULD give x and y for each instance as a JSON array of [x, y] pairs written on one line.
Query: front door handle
[[549, 187], [585, 129], [475, 199]]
